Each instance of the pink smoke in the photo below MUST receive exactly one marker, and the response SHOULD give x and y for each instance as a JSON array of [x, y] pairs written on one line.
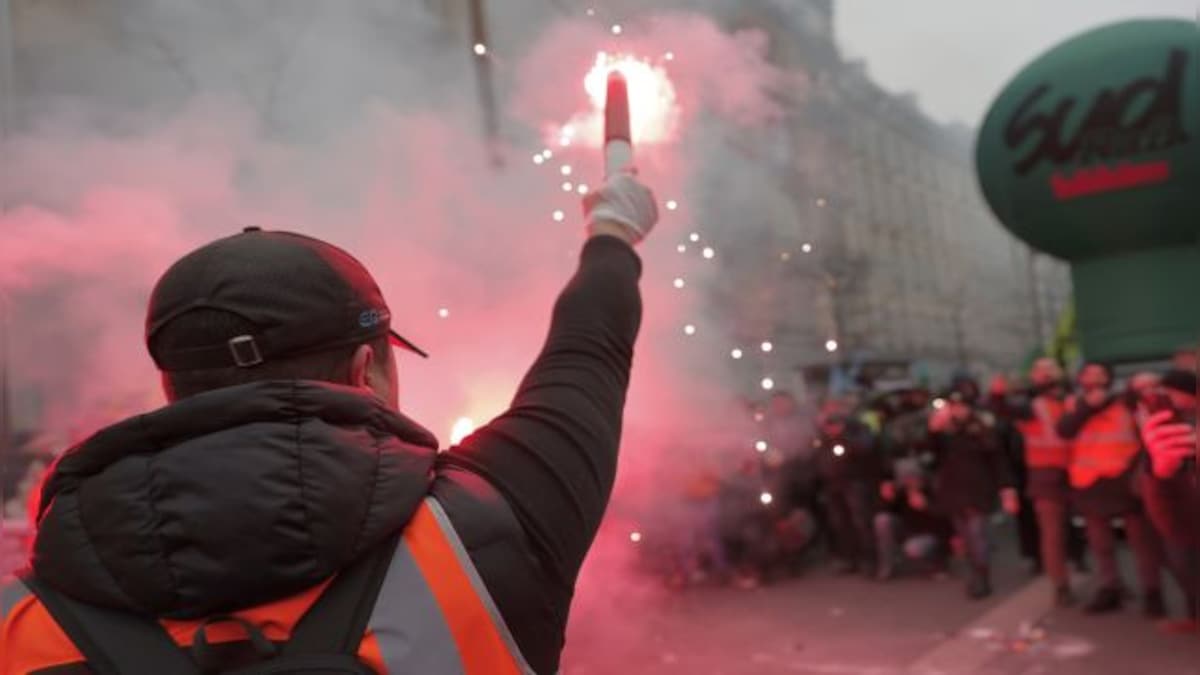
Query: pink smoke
[[97, 218]]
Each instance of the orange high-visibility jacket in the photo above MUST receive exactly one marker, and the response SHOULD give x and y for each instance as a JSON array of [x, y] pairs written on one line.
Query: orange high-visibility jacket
[[1044, 448], [1104, 448], [433, 615]]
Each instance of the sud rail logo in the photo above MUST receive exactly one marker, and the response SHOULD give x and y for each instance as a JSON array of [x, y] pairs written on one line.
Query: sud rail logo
[[1122, 124]]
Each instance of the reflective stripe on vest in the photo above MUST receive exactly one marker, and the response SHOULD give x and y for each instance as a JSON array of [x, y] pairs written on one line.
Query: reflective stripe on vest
[[471, 636], [433, 615], [13, 592], [1044, 448], [1104, 448]]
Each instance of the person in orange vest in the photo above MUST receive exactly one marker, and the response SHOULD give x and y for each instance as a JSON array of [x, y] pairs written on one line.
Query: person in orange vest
[[282, 515], [1046, 456], [1104, 452]]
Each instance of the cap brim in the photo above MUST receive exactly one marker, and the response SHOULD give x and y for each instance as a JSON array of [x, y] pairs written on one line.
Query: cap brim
[[398, 340]]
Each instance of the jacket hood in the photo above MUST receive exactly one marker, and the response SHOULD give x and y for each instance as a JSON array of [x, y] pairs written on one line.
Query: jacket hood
[[229, 498]]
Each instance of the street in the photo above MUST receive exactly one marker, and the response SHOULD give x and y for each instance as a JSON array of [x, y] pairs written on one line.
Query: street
[[825, 625]]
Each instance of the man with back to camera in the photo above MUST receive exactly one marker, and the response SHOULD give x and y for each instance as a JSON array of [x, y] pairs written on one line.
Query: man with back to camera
[[282, 461]]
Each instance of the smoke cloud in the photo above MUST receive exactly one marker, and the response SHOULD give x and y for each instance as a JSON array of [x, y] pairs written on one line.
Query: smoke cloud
[[145, 128]]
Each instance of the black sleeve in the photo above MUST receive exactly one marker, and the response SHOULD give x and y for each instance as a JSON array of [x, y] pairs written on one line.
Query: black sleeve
[[1012, 408], [1172, 504], [881, 463], [998, 455], [937, 447], [1071, 423], [553, 454]]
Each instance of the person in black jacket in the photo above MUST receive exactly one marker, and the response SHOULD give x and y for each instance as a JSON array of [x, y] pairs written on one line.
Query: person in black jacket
[[970, 470], [282, 456], [849, 469]]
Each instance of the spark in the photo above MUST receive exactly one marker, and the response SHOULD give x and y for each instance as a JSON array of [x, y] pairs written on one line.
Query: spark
[[538, 159], [582, 188], [616, 29], [462, 428], [831, 345], [444, 313], [767, 346], [694, 237], [480, 49], [679, 282], [568, 186], [807, 248], [558, 216], [672, 204], [766, 498], [768, 384], [689, 329], [682, 248], [670, 56], [761, 446], [709, 253], [565, 170], [839, 450], [736, 354], [635, 537]]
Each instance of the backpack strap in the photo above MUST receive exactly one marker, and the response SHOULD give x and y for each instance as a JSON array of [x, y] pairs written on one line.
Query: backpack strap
[[337, 621], [112, 641]]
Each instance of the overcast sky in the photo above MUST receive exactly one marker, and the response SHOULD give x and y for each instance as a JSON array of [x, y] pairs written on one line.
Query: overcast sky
[[957, 54]]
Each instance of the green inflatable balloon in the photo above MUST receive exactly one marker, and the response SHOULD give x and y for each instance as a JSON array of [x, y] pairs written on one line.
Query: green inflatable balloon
[[1092, 154]]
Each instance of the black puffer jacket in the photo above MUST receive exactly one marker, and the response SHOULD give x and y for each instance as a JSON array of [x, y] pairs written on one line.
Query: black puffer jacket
[[230, 498]]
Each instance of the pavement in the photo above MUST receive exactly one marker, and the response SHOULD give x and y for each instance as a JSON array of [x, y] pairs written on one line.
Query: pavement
[[821, 624]]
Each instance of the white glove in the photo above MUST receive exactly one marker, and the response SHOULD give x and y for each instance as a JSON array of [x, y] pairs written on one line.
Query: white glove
[[623, 201]]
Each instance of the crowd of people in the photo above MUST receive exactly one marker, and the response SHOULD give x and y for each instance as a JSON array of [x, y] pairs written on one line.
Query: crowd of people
[[909, 481]]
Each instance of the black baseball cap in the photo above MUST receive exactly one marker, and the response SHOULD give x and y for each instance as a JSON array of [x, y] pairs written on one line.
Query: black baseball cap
[[301, 294]]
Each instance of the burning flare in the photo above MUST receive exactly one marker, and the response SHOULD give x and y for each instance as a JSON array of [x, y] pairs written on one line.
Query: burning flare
[[653, 105]]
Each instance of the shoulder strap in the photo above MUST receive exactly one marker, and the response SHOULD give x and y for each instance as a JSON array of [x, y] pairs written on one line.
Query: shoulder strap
[[337, 621], [112, 641]]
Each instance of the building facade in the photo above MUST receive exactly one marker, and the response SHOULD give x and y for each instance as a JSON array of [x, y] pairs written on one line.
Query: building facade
[[906, 266]]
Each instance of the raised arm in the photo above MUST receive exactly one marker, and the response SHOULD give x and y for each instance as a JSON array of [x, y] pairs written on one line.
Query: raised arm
[[553, 454]]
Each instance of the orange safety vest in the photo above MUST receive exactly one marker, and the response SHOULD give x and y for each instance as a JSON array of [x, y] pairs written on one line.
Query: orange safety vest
[[1104, 448], [433, 614], [1044, 448]]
